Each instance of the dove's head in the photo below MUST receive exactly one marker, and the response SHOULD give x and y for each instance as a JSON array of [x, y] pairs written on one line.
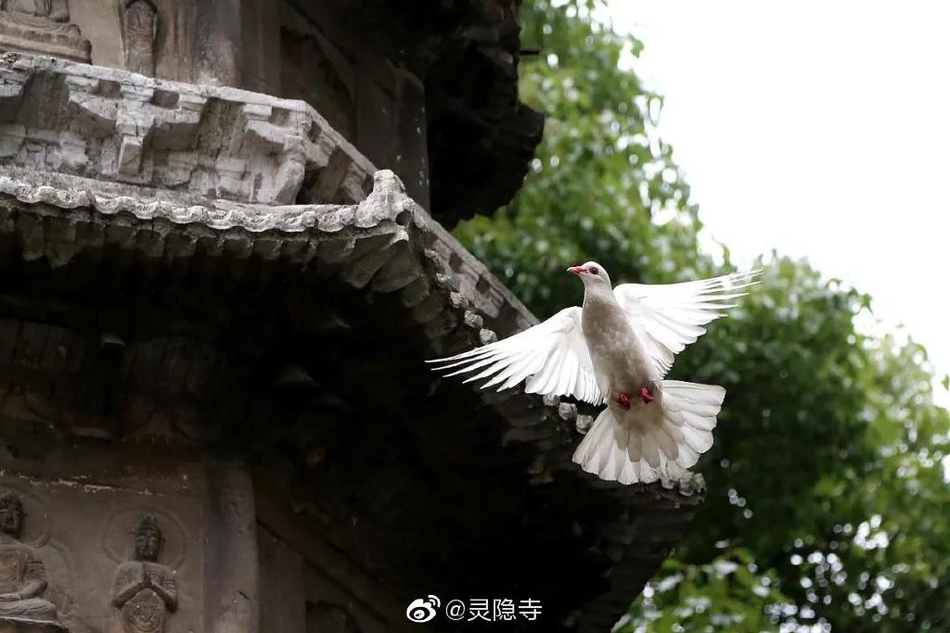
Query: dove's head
[[591, 273]]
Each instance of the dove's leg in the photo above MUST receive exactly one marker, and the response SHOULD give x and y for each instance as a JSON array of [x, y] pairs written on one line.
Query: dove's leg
[[646, 394], [623, 400]]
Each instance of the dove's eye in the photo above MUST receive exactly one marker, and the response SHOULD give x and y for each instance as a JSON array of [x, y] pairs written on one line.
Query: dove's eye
[[594, 270]]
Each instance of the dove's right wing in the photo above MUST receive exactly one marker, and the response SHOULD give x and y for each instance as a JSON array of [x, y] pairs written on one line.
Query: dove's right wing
[[552, 357]]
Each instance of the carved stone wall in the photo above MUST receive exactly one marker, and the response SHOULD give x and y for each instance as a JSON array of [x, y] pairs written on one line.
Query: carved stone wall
[[83, 510], [182, 40], [427, 89], [139, 21], [299, 597], [308, 584], [376, 105], [42, 27], [314, 70], [265, 45]]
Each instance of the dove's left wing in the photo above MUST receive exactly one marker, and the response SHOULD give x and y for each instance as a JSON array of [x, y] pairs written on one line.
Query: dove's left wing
[[668, 317], [552, 358]]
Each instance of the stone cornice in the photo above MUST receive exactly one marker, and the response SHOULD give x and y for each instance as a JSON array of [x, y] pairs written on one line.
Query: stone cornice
[[213, 141], [70, 192]]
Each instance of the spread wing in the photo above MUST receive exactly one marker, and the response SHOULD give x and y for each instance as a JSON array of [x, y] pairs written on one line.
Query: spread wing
[[551, 357], [668, 317]]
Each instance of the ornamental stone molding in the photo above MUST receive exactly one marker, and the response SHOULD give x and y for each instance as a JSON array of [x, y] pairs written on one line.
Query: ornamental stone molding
[[214, 142], [80, 137]]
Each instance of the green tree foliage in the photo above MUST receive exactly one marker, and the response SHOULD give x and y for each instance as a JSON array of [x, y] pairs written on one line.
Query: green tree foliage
[[827, 503]]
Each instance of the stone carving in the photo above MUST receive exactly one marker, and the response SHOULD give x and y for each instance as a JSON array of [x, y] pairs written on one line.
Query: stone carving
[[56, 10], [385, 204], [144, 591], [22, 576], [213, 142], [139, 25], [41, 26]]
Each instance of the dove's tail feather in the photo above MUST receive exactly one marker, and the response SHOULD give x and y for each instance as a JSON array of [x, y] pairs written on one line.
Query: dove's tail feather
[[648, 441]]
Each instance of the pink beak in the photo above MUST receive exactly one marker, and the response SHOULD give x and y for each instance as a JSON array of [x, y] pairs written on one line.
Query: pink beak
[[577, 270]]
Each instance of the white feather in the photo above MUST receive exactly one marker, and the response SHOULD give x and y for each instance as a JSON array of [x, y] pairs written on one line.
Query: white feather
[[648, 442], [551, 356]]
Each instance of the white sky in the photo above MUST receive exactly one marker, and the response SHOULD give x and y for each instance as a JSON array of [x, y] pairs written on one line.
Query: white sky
[[821, 129]]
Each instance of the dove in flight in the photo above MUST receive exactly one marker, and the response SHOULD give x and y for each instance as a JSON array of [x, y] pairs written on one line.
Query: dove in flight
[[616, 350]]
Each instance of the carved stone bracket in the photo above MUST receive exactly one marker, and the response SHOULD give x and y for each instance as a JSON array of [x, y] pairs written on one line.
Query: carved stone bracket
[[212, 142]]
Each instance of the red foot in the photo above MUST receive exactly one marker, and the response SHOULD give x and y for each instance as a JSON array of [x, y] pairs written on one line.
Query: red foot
[[623, 400], [646, 395]]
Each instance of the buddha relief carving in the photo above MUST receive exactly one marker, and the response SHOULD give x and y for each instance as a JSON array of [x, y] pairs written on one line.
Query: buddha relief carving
[[41, 26], [56, 10], [22, 575], [139, 26], [144, 591]]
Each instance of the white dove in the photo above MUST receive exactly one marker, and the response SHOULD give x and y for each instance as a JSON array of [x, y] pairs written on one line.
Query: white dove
[[617, 349]]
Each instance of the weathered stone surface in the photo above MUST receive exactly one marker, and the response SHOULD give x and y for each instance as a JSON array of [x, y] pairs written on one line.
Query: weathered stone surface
[[133, 133], [387, 206], [171, 390], [82, 512], [145, 592], [449, 119], [139, 20], [302, 577], [23, 574], [391, 79], [41, 27], [218, 143]]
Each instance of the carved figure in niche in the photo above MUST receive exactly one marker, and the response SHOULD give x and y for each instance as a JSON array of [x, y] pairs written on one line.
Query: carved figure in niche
[[144, 591], [43, 27], [22, 575], [139, 25], [56, 10]]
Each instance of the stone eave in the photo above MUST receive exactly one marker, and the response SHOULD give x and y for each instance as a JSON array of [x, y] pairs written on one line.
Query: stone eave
[[206, 142]]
